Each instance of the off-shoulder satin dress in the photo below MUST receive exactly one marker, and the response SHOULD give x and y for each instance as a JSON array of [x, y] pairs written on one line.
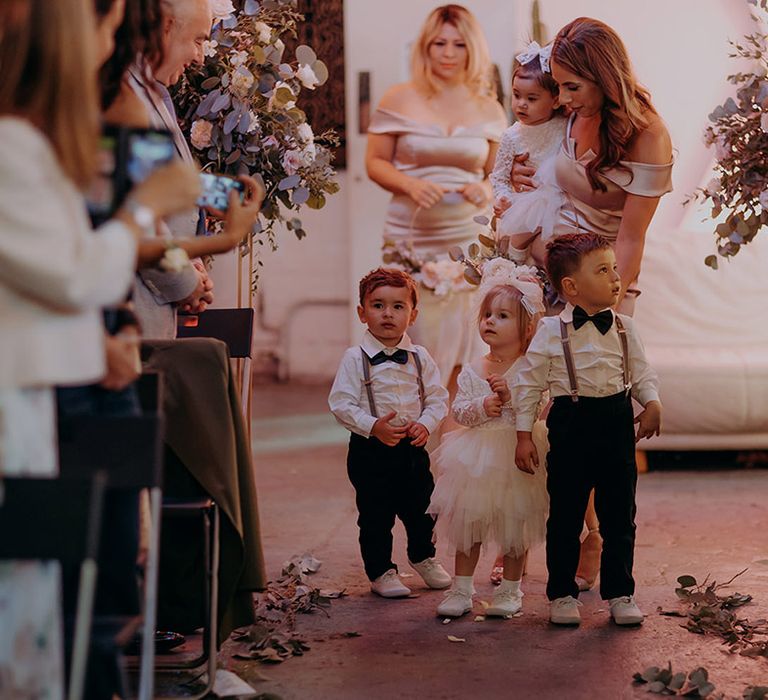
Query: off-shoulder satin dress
[[452, 159], [601, 212]]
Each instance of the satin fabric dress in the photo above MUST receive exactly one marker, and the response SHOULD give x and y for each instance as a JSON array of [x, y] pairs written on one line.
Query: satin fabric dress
[[601, 212], [451, 159]]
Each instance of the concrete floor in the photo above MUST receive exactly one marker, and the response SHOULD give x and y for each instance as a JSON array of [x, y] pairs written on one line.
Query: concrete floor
[[689, 522]]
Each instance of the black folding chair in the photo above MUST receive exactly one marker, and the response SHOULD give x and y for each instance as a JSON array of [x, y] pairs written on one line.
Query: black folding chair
[[235, 328], [130, 450], [55, 519]]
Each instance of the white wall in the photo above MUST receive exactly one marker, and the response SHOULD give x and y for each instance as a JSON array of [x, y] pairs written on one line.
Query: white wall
[[679, 49]]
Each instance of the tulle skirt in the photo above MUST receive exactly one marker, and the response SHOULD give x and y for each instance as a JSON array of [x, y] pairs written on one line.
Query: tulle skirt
[[535, 210], [481, 496]]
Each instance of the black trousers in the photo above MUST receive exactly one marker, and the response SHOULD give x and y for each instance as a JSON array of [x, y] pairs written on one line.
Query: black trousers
[[390, 482], [591, 446]]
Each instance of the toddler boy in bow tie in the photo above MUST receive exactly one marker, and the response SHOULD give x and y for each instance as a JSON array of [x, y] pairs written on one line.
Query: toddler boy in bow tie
[[592, 361], [388, 394]]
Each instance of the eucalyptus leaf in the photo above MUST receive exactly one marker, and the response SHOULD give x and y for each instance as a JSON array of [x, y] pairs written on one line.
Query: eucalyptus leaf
[[686, 581], [231, 121], [316, 201], [711, 261], [251, 7], [305, 54], [233, 157], [221, 102], [456, 254], [210, 83], [482, 220], [289, 182], [300, 195], [321, 71]]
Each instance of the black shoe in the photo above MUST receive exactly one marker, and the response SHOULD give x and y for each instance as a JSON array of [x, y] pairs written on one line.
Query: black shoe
[[164, 642]]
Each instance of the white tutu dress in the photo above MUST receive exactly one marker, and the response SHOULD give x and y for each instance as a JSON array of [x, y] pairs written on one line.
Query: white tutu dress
[[480, 495], [534, 210]]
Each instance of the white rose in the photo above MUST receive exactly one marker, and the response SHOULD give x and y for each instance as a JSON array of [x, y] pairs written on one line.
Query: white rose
[[307, 77], [764, 199], [291, 162], [221, 9], [209, 47], [238, 58], [253, 124], [242, 80], [308, 154], [263, 31], [269, 142], [200, 134], [305, 133]]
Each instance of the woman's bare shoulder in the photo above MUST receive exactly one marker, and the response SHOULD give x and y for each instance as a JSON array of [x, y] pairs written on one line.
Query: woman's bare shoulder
[[653, 144], [399, 97]]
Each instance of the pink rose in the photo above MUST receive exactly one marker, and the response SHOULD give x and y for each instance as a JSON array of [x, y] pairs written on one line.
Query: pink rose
[[200, 134]]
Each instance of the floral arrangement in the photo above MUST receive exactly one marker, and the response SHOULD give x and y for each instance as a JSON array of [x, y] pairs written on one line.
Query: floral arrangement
[[491, 255], [440, 276], [738, 132], [240, 111]]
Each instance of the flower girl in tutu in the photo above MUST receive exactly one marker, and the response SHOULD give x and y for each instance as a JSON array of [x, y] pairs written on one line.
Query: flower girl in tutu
[[480, 496], [529, 217]]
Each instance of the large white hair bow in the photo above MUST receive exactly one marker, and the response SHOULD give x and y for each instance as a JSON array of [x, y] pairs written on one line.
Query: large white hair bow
[[522, 277], [535, 51]]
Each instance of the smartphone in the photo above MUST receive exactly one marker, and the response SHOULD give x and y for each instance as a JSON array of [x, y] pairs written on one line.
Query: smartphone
[[216, 189]]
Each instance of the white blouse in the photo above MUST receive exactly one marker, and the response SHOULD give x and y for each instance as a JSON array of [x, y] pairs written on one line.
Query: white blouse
[[56, 273]]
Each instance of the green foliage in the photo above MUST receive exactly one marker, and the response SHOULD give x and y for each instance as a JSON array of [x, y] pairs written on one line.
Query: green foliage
[[739, 134], [241, 114]]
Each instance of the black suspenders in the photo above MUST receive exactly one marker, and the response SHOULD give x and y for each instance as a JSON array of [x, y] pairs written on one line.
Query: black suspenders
[[367, 382], [568, 355]]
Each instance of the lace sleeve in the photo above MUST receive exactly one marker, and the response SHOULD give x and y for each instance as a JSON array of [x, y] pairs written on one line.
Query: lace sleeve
[[501, 175], [467, 407]]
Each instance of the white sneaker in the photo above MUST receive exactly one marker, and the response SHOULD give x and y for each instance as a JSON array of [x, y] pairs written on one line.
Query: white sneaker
[[433, 573], [455, 604], [505, 604], [389, 585], [624, 611], [565, 611]]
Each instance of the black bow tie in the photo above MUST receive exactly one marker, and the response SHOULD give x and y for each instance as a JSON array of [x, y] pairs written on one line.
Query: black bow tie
[[602, 320], [400, 356]]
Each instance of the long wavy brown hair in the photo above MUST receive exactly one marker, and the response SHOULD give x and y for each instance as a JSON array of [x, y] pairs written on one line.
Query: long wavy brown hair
[[592, 50]]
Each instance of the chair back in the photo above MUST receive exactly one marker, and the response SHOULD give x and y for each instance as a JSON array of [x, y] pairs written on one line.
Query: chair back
[[233, 326]]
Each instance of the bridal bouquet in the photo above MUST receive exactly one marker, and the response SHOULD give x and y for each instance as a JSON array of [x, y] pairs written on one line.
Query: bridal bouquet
[[441, 276], [738, 133], [241, 113]]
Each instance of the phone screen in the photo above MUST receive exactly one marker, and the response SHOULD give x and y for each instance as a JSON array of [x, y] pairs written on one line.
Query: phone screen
[[147, 150], [216, 189]]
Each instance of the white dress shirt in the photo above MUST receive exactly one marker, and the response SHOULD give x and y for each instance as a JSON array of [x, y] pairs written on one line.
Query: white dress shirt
[[395, 388], [597, 359]]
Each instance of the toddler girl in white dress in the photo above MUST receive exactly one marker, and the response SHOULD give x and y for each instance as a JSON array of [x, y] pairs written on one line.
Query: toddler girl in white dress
[[529, 217], [480, 496]]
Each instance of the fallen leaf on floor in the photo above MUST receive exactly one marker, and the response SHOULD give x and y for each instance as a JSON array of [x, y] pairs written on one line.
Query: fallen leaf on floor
[[414, 595], [519, 613], [227, 684], [479, 618], [447, 620], [451, 638]]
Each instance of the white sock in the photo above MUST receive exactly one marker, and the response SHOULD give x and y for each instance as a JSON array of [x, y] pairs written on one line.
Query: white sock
[[511, 586], [463, 584]]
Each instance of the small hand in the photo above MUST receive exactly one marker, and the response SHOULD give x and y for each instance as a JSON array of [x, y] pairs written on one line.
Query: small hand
[[649, 421], [501, 205], [492, 405], [521, 176], [475, 192], [202, 296], [387, 433], [241, 215], [426, 194], [418, 434], [526, 455], [499, 385]]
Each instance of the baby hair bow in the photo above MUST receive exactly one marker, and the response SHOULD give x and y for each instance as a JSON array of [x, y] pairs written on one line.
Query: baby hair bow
[[498, 271], [533, 51]]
